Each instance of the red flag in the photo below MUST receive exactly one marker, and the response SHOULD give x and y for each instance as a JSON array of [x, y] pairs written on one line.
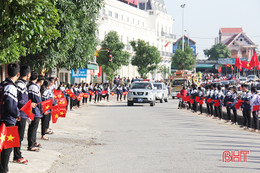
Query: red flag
[[12, 137], [197, 99], [68, 91], [104, 92], [63, 112], [71, 94], [27, 109], [74, 97], [100, 71], [187, 98], [216, 103], [63, 102], [2, 136], [85, 95], [57, 94], [246, 65], [232, 68], [228, 65], [258, 67], [229, 103], [91, 93], [54, 116], [192, 101], [112, 93], [238, 64], [238, 105], [124, 93], [79, 97], [209, 100], [178, 95], [219, 69], [254, 60], [201, 102], [166, 44], [46, 105], [256, 107]]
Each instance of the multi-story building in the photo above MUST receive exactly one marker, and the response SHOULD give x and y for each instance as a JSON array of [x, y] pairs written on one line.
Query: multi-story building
[[132, 20], [237, 41]]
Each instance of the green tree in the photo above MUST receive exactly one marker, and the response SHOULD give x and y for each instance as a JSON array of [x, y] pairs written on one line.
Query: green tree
[[26, 26], [183, 60], [77, 43], [112, 45], [217, 51], [164, 71], [146, 57]]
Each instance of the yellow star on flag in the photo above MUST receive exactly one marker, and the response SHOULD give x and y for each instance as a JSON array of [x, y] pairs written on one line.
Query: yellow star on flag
[[2, 138], [61, 113], [30, 112], [63, 102], [47, 107], [10, 138], [247, 65], [56, 116]]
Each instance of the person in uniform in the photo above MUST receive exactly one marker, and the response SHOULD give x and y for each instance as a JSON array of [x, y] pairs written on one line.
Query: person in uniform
[[220, 97], [200, 94], [227, 98], [246, 107], [234, 100], [255, 101]]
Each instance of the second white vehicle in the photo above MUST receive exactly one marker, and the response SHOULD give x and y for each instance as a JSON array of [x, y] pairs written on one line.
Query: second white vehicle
[[161, 92]]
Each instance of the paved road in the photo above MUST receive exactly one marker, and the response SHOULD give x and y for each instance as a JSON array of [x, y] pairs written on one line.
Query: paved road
[[115, 138]]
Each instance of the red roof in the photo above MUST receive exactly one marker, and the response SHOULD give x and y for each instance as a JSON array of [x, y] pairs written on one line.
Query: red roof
[[231, 30]]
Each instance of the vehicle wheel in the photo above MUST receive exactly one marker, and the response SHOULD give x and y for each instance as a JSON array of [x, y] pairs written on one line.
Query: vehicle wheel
[[173, 97], [166, 100], [130, 103], [161, 101], [152, 103]]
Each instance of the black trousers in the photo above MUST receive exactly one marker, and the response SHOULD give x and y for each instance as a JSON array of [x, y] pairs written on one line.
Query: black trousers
[[208, 108], [255, 120], [71, 103], [45, 123], [216, 111], [200, 108], [211, 109], [21, 129], [228, 113], [247, 117], [68, 101], [90, 97], [5, 156], [119, 95], [195, 105], [32, 132], [220, 113], [235, 114]]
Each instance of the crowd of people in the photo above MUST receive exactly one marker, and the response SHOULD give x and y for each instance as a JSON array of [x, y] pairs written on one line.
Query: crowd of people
[[215, 97], [24, 85]]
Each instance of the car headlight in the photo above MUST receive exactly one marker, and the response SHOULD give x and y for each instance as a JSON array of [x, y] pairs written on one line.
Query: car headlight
[[150, 93], [131, 92]]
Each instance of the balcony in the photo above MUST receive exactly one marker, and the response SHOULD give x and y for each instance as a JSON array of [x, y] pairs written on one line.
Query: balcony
[[167, 35]]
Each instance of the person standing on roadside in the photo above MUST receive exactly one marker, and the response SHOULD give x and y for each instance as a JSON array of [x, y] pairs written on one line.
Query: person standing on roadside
[[246, 107], [10, 112], [35, 95], [22, 94], [255, 101]]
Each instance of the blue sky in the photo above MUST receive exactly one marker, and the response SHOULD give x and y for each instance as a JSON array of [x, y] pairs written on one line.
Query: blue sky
[[203, 18]]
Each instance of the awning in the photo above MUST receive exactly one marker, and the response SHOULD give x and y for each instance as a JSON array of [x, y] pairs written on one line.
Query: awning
[[205, 65]]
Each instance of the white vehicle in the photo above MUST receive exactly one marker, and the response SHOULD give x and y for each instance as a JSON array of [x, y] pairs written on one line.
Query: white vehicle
[[141, 92], [161, 92], [252, 77], [243, 79]]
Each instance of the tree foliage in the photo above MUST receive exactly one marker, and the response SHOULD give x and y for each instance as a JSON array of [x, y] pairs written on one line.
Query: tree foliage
[[26, 26], [217, 51], [112, 45], [146, 57], [183, 60], [77, 43], [164, 71]]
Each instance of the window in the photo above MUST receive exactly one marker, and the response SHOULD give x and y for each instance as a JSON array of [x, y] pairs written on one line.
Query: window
[[110, 13], [142, 6], [116, 15]]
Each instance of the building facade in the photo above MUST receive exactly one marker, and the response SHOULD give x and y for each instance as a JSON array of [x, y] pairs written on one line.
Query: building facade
[[237, 42], [148, 21]]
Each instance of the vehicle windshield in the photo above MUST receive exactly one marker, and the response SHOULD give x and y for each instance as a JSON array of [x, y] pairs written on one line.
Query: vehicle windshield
[[158, 86], [141, 86], [251, 77], [178, 82], [242, 79]]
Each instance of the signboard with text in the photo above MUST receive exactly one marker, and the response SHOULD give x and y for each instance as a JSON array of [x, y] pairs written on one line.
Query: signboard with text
[[229, 60], [80, 73]]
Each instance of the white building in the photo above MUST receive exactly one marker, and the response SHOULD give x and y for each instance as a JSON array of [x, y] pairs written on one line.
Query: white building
[[149, 21]]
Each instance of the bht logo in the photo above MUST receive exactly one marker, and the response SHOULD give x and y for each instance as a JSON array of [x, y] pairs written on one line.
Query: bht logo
[[231, 156]]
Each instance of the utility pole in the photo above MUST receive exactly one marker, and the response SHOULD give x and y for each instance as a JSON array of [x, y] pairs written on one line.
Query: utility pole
[[182, 6]]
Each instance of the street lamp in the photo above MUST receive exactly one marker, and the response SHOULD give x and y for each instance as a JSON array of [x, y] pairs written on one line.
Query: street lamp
[[188, 38], [182, 6]]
